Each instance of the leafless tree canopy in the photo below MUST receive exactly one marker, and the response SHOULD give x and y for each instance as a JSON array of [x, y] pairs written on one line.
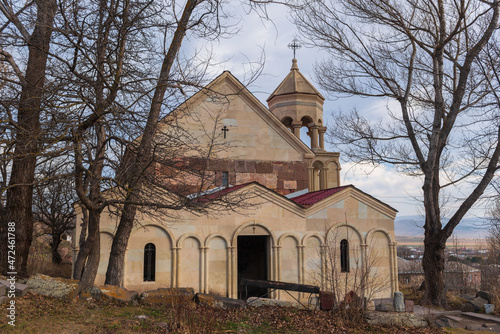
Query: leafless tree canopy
[[94, 89], [436, 60]]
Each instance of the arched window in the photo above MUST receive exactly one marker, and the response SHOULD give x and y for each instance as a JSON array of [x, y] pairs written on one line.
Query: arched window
[[149, 262], [344, 256]]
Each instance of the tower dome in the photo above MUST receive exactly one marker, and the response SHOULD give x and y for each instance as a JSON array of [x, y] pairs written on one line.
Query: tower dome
[[296, 103]]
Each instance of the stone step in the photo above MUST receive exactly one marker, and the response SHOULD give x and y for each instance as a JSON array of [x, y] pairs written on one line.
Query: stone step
[[21, 289], [484, 317], [454, 318]]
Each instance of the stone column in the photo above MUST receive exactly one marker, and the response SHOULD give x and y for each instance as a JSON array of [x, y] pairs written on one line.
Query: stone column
[[392, 247], [312, 186], [175, 266], [323, 260], [296, 125], [204, 269], [229, 288], [364, 269], [301, 271], [321, 131], [276, 275], [314, 135], [233, 279], [324, 178]]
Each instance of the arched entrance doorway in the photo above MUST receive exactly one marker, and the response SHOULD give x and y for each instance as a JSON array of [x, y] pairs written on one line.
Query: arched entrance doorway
[[254, 253]]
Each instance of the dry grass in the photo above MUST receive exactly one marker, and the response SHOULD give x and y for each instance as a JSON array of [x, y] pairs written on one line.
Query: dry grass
[[40, 260], [39, 314]]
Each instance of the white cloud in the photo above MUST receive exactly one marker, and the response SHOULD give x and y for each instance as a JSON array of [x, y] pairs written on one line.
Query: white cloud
[[386, 184]]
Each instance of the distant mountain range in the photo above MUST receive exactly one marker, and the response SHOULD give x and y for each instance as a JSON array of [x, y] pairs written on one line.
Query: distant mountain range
[[468, 228]]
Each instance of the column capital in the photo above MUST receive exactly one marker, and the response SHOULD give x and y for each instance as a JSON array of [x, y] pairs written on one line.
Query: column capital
[[314, 125]]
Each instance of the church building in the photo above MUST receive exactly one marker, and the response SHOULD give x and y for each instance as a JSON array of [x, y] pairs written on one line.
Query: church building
[[300, 225]]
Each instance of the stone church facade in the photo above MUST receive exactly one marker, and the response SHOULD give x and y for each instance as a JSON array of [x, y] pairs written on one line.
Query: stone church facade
[[300, 225]]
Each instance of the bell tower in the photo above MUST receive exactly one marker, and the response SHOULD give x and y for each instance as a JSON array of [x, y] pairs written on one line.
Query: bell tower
[[296, 103]]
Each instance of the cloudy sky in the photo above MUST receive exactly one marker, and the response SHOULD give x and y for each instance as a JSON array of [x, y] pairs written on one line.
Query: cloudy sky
[[272, 37]]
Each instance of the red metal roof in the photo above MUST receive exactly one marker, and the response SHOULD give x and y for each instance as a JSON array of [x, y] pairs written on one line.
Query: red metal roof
[[316, 196]]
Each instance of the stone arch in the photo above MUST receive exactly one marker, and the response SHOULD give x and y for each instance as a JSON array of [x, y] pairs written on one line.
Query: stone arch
[[334, 237], [377, 229], [190, 260], [349, 226], [380, 260], [217, 269], [188, 235], [134, 264], [252, 223], [253, 258], [289, 253], [288, 234], [158, 226], [332, 161], [313, 244], [318, 236], [306, 120], [287, 121], [215, 235], [111, 235], [319, 175]]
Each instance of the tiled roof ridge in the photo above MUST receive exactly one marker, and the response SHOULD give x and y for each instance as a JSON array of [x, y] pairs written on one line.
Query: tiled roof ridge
[[315, 196]]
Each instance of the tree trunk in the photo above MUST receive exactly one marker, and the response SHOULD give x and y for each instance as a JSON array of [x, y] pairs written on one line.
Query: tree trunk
[[114, 272], [433, 264], [87, 261], [56, 240], [20, 192]]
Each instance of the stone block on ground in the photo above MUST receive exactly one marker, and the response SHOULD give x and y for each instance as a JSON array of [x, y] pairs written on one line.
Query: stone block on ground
[[396, 319], [114, 292], [168, 296], [467, 297], [444, 322], [218, 301], [399, 302], [259, 302], [479, 302], [4, 300], [409, 305], [469, 307], [52, 286], [20, 288], [3, 290], [385, 307], [486, 295]]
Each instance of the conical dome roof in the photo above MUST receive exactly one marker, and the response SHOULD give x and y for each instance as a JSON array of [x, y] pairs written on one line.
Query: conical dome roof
[[295, 83]]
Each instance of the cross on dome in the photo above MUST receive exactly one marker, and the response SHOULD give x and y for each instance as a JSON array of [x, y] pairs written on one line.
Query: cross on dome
[[294, 45]]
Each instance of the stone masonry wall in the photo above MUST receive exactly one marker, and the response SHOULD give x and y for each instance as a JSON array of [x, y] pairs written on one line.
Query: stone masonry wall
[[282, 176]]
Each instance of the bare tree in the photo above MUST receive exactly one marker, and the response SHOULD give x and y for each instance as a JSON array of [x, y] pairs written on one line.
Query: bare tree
[[53, 205], [116, 100], [354, 275], [429, 57], [15, 23]]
